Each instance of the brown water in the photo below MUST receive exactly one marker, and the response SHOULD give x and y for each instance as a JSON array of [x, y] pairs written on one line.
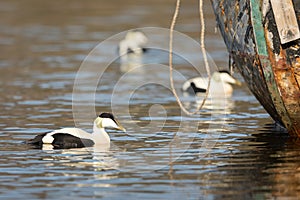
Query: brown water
[[232, 150]]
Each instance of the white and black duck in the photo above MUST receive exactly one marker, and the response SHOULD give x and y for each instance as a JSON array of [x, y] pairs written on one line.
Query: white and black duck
[[66, 138], [134, 42], [220, 85], [131, 50]]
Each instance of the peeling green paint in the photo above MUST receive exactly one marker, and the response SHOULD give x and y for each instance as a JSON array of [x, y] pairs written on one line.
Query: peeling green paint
[[261, 47]]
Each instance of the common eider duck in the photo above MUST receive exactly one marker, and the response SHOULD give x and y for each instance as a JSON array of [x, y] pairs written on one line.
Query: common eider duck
[[66, 138], [220, 85], [134, 42]]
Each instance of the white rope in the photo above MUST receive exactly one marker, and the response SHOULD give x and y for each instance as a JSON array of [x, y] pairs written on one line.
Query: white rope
[[202, 34]]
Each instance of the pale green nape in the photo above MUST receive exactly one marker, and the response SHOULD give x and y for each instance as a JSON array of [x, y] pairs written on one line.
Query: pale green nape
[[216, 77], [98, 122]]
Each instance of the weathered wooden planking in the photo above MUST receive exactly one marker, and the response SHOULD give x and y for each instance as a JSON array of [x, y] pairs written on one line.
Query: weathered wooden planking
[[271, 69], [282, 58], [266, 65], [286, 20]]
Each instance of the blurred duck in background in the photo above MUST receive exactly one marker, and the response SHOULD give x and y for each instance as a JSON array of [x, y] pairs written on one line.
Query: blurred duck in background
[[131, 50], [133, 43], [220, 85]]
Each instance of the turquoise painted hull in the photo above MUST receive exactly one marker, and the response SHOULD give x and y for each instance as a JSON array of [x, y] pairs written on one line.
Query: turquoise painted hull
[[270, 69]]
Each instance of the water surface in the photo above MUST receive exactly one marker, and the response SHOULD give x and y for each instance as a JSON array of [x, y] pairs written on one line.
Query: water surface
[[231, 150]]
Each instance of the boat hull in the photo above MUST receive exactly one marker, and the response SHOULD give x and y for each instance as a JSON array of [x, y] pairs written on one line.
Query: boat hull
[[270, 68]]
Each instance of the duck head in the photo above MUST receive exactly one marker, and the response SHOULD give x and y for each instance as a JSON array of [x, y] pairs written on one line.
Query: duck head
[[225, 77], [107, 120]]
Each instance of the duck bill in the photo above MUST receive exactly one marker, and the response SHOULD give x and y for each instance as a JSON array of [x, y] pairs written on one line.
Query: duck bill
[[238, 83], [120, 127]]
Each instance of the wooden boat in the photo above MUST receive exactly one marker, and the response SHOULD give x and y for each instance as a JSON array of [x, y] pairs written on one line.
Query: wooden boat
[[262, 37]]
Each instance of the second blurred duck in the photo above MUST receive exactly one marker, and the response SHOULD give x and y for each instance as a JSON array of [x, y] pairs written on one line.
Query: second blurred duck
[[134, 42], [220, 85]]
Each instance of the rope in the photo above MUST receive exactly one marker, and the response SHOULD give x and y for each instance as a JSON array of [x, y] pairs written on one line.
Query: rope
[[202, 44]]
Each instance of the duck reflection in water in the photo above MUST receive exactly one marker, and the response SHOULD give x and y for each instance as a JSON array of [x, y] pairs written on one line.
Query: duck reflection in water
[[216, 107], [97, 158]]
